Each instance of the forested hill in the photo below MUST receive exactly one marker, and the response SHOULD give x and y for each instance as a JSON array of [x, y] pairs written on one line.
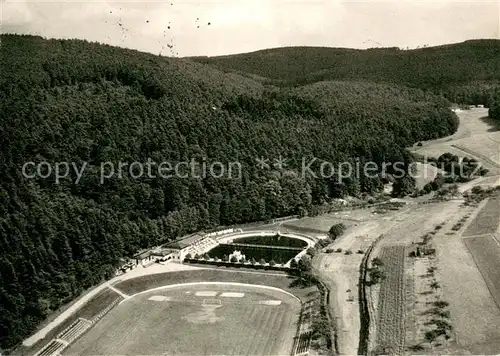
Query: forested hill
[[85, 103], [464, 72]]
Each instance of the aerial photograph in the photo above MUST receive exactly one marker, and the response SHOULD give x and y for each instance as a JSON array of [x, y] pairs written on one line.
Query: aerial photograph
[[249, 177]]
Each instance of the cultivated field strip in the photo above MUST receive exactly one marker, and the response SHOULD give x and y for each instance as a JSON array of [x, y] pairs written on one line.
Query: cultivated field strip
[[487, 221], [392, 299], [480, 155], [486, 253]]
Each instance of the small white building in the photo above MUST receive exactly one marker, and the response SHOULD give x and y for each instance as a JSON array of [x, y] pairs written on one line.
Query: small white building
[[238, 255]]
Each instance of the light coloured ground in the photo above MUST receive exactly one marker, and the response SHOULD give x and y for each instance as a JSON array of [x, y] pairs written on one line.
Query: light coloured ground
[[475, 316], [184, 324], [420, 220], [476, 137], [425, 173], [341, 273], [137, 272]]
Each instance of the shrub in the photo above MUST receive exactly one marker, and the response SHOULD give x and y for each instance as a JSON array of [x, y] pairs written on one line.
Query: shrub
[[477, 190], [431, 270], [336, 230], [444, 314], [262, 261], [311, 251], [348, 252], [338, 250], [361, 252], [441, 304], [376, 275], [435, 285], [325, 242]]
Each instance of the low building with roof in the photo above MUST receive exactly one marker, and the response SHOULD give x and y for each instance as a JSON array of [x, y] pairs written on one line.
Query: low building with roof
[[196, 243], [143, 257], [164, 254]]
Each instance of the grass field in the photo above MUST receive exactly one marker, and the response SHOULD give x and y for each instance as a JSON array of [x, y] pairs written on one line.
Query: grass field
[[474, 314], [486, 253], [91, 309], [487, 221], [392, 299], [136, 285], [318, 225], [191, 321], [478, 135]]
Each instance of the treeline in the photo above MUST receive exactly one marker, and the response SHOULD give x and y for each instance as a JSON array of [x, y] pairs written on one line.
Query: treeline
[[494, 110], [84, 103], [465, 72]]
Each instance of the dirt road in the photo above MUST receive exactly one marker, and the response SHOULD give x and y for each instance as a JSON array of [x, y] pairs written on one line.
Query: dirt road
[[477, 137]]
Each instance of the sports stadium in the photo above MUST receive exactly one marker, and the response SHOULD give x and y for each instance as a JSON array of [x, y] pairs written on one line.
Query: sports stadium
[[197, 311]]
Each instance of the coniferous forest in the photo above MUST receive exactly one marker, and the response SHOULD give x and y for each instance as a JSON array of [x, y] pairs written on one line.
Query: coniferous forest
[[85, 103]]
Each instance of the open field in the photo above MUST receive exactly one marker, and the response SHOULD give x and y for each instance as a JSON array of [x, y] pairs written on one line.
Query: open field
[[420, 220], [196, 320], [278, 280], [88, 311], [425, 174], [353, 219], [474, 314], [67, 312], [486, 253], [340, 272], [392, 299], [477, 137], [487, 220], [318, 224]]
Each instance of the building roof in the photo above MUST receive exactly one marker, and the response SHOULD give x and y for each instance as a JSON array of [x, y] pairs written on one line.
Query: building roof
[[184, 242], [142, 255], [163, 252]]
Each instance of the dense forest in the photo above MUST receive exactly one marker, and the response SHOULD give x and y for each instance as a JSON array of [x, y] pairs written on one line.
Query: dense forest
[[86, 103], [465, 72]]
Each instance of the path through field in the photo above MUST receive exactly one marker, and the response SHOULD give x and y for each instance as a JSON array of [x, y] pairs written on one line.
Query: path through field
[[477, 136]]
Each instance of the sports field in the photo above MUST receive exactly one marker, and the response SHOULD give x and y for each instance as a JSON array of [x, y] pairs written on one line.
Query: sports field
[[214, 319]]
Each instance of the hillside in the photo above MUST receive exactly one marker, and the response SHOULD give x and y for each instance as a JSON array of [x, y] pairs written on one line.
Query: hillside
[[465, 72], [94, 106]]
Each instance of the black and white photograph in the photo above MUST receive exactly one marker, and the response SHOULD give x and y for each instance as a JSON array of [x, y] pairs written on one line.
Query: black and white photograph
[[249, 177]]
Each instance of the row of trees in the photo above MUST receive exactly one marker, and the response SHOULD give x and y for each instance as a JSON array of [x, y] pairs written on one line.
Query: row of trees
[[233, 259], [494, 110]]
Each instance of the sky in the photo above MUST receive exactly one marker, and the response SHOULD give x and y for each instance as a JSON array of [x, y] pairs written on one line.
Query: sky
[[188, 28]]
